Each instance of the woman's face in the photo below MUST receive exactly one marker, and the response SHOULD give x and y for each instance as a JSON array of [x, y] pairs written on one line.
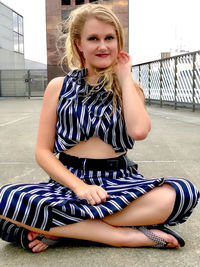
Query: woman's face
[[99, 45]]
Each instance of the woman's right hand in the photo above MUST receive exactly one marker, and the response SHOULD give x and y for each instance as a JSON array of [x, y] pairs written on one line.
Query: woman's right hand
[[94, 194]]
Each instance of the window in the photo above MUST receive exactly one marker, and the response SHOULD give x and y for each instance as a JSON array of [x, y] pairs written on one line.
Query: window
[[21, 44], [20, 24], [18, 34], [15, 23], [79, 2], [65, 14], [66, 2], [16, 42]]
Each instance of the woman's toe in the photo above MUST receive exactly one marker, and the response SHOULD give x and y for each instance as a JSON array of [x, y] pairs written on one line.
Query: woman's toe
[[31, 236], [39, 247], [172, 242], [170, 239], [36, 245]]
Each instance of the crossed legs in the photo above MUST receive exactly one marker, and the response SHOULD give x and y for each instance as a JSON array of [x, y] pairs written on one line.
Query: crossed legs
[[152, 208]]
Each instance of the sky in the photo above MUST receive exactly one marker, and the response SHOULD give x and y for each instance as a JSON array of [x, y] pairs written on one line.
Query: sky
[[162, 26], [33, 13], [155, 26]]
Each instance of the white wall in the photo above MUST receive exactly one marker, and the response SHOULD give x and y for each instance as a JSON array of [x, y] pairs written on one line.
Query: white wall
[[8, 58]]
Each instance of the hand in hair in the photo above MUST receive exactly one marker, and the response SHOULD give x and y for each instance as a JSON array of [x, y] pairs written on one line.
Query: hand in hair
[[123, 66], [123, 70]]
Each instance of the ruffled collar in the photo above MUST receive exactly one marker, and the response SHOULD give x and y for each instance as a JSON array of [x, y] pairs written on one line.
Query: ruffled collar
[[79, 75]]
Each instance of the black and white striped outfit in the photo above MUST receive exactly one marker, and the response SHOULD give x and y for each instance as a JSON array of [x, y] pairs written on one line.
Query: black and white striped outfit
[[83, 112]]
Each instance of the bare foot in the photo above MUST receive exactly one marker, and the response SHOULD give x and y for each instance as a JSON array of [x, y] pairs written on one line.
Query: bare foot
[[36, 245]]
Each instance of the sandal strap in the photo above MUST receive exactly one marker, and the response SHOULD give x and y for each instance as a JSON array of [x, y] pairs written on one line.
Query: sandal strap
[[47, 241], [160, 243]]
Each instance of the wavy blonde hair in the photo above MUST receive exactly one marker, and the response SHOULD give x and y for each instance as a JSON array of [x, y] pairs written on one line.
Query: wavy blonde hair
[[72, 29]]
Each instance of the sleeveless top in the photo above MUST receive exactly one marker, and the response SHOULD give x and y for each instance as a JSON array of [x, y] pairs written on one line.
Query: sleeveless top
[[84, 111]]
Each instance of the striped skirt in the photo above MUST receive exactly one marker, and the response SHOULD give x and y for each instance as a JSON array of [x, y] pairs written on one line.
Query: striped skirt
[[46, 205]]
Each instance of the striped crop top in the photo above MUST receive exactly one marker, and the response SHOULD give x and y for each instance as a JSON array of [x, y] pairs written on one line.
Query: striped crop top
[[84, 111]]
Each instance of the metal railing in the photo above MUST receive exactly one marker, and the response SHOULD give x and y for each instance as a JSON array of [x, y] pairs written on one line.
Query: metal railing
[[173, 81], [23, 83]]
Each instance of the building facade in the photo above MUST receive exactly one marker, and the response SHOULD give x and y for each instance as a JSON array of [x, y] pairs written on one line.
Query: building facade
[[18, 76], [59, 10], [11, 39], [11, 52]]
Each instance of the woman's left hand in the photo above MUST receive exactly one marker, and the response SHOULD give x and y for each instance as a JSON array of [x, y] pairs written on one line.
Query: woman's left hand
[[123, 66]]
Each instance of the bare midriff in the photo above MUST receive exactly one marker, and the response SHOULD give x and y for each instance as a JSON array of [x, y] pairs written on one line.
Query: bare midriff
[[93, 148]]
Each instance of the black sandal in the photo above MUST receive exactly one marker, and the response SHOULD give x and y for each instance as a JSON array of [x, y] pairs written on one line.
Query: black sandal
[[160, 243], [24, 242]]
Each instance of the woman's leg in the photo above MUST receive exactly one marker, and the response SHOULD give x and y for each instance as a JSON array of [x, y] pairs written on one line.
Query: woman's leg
[[151, 208], [98, 231]]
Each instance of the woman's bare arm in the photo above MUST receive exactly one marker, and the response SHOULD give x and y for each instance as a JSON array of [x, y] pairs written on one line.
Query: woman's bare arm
[[45, 145], [136, 118]]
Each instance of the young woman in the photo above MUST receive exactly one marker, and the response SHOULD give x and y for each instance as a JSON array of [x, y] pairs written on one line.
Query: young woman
[[90, 118]]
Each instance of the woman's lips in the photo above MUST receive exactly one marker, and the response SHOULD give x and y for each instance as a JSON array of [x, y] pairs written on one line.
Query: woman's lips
[[102, 55]]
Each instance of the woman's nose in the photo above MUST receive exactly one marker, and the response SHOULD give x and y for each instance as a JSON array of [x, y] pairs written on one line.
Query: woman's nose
[[102, 45]]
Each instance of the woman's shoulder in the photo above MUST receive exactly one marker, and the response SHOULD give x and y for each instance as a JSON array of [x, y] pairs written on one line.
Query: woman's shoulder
[[55, 82], [54, 87], [58, 84], [60, 80]]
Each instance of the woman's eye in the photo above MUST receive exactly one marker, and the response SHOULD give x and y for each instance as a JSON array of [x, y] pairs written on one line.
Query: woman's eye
[[92, 38], [110, 37]]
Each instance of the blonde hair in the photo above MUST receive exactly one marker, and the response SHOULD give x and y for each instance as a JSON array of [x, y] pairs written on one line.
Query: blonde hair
[[72, 29]]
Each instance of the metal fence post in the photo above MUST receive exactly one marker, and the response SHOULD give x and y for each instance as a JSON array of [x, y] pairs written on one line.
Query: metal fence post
[[139, 75], [161, 84], [175, 84], [0, 84], [29, 84], [149, 83], [193, 81]]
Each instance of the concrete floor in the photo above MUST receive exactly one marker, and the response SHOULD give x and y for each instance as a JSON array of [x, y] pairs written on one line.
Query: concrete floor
[[171, 149]]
